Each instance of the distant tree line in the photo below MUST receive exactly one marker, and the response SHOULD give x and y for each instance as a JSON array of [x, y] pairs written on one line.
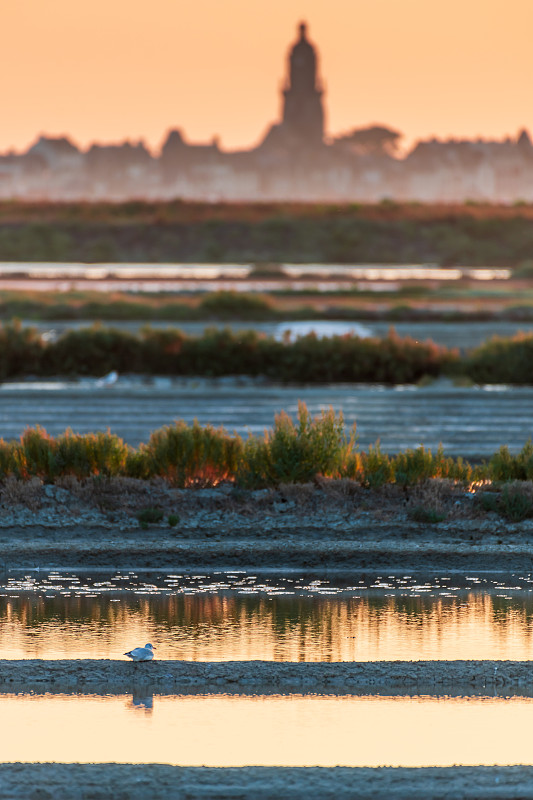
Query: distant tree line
[[347, 359]]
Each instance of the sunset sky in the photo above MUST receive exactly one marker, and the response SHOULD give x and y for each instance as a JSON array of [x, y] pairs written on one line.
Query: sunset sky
[[109, 70]]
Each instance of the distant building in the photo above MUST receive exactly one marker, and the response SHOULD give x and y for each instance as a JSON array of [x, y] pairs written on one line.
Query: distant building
[[295, 161], [56, 152], [302, 125]]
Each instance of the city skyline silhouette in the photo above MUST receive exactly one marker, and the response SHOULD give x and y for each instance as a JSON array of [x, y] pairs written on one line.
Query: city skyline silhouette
[[122, 72], [295, 160]]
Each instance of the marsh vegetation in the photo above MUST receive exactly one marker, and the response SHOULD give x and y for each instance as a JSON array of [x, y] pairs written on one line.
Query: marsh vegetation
[[221, 352], [473, 234], [292, 452]]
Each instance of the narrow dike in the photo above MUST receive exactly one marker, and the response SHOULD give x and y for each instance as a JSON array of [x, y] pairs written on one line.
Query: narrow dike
[[453, 678]]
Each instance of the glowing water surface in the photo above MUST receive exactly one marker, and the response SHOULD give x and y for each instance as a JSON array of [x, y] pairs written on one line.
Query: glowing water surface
[[290, 730], [241, 616]]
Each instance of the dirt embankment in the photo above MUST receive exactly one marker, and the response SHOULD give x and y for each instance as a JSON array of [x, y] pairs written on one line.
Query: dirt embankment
[[406, 678], [330, 525]]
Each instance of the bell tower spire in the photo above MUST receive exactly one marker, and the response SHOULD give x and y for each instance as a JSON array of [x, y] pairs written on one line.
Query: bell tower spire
[[303, 113]]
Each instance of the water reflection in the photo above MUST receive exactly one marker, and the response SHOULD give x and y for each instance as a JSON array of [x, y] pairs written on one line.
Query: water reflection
[[293, 730], [243, 617], [141, 701]]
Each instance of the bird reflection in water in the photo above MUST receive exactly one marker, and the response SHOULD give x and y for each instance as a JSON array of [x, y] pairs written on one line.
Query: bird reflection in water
[[141, 701]]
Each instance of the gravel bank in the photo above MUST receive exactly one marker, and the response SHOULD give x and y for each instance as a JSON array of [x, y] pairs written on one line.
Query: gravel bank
[[266, 677], [139, 781]]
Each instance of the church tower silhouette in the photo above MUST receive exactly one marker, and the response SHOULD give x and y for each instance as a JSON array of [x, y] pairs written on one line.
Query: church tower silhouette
[[303, 113]]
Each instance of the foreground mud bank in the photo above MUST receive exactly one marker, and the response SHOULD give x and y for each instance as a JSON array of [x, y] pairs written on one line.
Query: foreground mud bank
[[392, 547], [456, 678], [327, 525], [138, 781]]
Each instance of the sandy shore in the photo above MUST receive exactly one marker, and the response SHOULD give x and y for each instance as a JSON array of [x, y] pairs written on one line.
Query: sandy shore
[[139, 781], [453, 678]]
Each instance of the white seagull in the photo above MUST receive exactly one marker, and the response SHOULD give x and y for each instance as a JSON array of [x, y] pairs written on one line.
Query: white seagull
[[145, 653], [108, 380]]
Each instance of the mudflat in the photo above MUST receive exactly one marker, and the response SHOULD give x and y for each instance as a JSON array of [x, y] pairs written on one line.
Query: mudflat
[[325, 525], [138, 781], [405, 678]]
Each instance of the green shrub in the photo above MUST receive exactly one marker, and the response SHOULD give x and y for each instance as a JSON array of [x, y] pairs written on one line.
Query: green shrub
[[268, 270], [98, 350], [21, 350], [222, 352], [490, 502], [37, 453], [427, 515], [515, 504], [93, 351], [101, 249], [297, 452], [377, 468], [291, 452], [11, 462], [283, 233], [503, 466], [350, 359], [173, 520], [414, 466], [88, 454], [253, 470], [524, 269], [502, 361], [149, 516], [192, 455], [235, 305], [137, 464], [160, 351], [35, 241]]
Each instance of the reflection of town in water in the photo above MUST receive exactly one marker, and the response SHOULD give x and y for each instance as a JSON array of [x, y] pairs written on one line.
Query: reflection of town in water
[[239, 617]]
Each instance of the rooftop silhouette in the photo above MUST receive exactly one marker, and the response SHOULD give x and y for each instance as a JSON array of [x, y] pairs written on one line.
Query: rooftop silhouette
[[294, 161]]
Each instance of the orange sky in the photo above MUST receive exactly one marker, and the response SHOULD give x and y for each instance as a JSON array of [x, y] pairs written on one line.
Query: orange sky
[[107, 70]]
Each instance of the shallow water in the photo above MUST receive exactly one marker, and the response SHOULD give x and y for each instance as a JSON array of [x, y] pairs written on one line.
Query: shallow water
[[469, 421], [277, 730], [294, 617]]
